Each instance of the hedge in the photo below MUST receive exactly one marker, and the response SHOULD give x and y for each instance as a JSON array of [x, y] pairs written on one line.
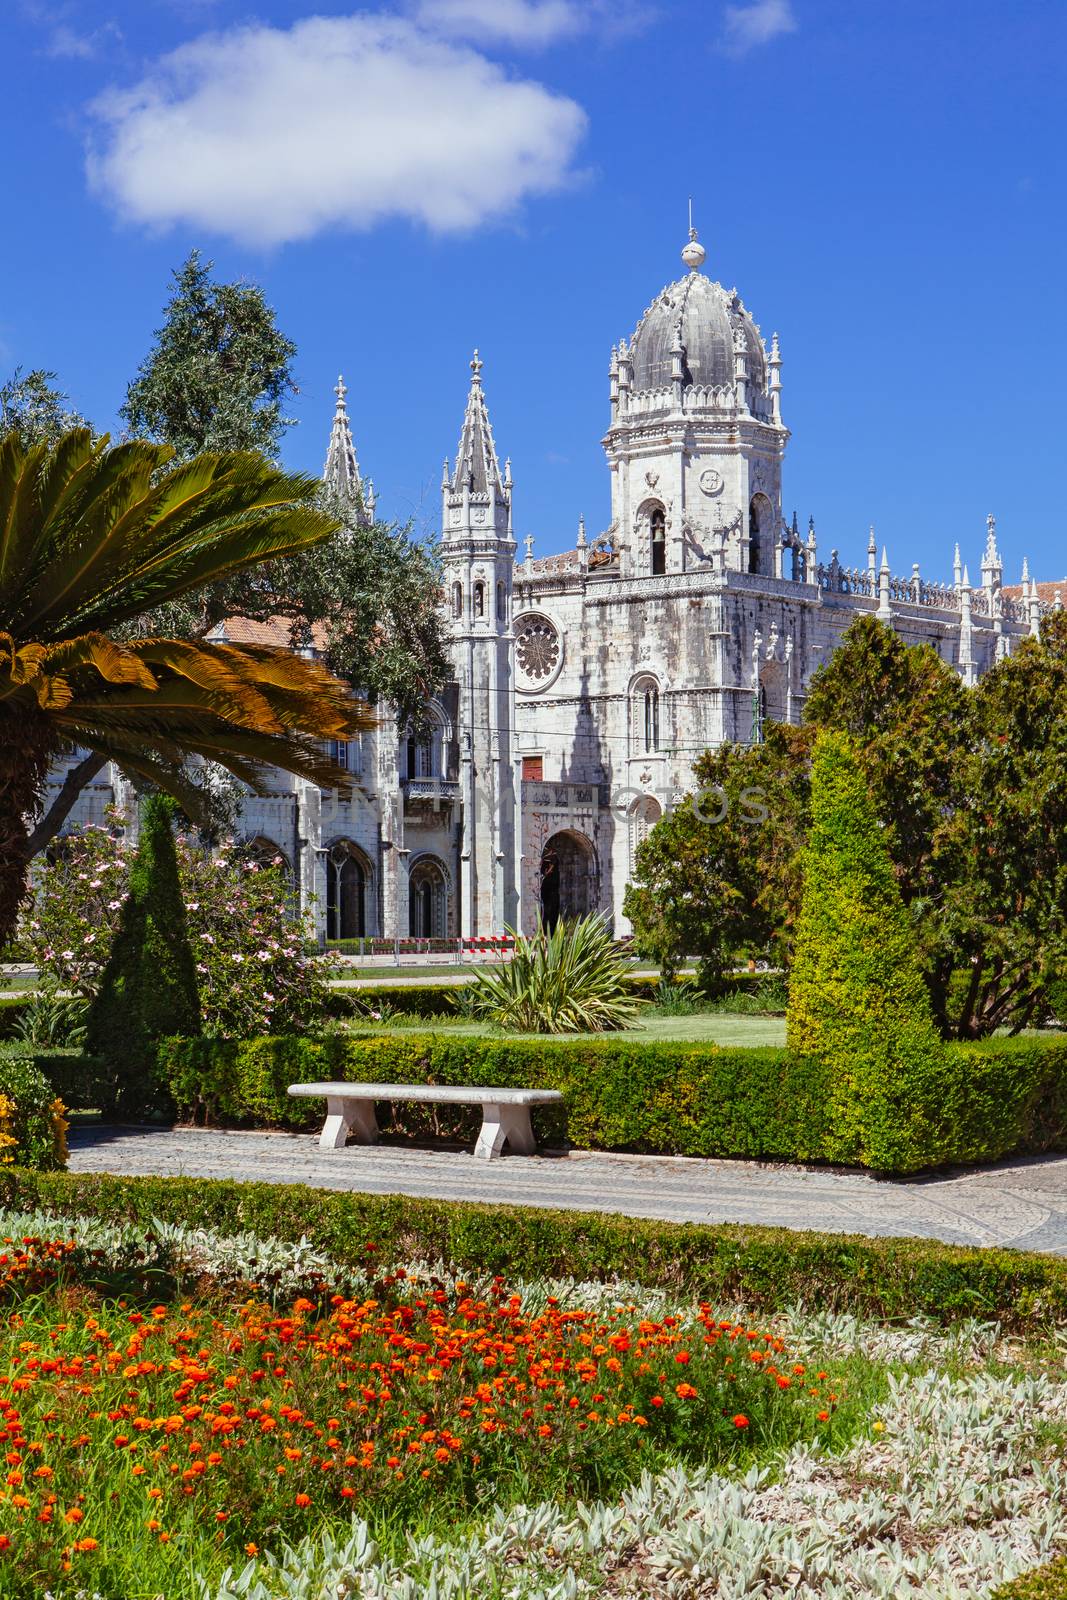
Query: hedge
[[765, 1269], [10, 1007], [619, 1092], [1044, 1583]]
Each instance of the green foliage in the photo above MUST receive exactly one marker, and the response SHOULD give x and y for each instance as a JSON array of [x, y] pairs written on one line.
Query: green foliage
[[718, 874], [768, 1269], [11, 1008], [217, 379], [79, 1080], [219, 373], [1045, 1583], [32, 1128], [149, 986], [33, 409], [51, 1019], [572, 980], [665, 1097], [251, 960], [857, 1001]]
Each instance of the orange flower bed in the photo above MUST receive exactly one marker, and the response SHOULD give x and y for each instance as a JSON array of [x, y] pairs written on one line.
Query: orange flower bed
[[188, 1424]]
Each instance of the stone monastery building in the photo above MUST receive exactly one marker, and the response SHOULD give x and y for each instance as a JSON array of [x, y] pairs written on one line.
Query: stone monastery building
[[587, 683]]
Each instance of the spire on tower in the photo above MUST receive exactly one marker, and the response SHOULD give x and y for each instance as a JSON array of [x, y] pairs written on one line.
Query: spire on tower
[[341, 472], [477, 466], [992, 566]]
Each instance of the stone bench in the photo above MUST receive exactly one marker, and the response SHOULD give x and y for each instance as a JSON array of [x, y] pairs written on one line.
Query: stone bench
[[505, 1112]]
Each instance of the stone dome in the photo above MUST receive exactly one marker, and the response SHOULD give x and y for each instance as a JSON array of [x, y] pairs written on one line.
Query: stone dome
[[709, 315]]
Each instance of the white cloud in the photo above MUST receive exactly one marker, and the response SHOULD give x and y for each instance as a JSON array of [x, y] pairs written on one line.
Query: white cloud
[[529, 23], [270, 135], [757, 23], [523, 22]]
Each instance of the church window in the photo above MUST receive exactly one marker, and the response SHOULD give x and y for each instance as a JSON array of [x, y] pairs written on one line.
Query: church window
[[501, 603], [645, 716], [658, 530], [537, 651], [457, 600], [479, 599]]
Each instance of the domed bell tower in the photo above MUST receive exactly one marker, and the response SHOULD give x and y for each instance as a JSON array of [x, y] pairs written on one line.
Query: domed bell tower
[[478, 551], [696, 440]]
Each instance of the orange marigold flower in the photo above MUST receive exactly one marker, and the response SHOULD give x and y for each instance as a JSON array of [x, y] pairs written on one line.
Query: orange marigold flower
[[86, 1544], [75, 1515], [303, 1500], [740, 1421], [251, 1549], [685, 1391]]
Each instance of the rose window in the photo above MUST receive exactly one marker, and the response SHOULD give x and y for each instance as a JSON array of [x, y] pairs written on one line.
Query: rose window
[[537, 649]]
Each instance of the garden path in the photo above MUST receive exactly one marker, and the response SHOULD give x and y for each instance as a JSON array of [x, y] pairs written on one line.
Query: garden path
[[1020, 1203]]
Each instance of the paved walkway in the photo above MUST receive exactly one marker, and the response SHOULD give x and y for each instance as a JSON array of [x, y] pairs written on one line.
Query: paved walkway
[[1018, 1203]]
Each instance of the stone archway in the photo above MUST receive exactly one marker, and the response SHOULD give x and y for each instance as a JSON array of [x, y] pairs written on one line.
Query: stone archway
[[569, 879]]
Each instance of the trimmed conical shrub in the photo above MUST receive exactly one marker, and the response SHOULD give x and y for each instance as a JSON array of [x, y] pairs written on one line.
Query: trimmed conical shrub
[[149, 987], [857, 1001]]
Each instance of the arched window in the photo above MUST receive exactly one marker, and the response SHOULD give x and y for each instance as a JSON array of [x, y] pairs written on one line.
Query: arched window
[[428, 899], [644, 716], [760, 516], [346, 892], [479, 599], [501, 603], [422, 755], [457, 600], [658, 531]]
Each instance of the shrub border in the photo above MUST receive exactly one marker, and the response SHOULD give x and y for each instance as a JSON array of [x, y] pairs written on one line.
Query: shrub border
[[1048, 1582], [766, 1269]]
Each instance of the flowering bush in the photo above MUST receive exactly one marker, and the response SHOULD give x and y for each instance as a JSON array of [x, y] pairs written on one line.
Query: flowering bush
[[249, 945], [33, 1126], [139, 1435]]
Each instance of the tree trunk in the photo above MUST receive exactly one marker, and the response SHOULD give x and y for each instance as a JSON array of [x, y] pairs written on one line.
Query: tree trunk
[[63, 804], [27, 748]]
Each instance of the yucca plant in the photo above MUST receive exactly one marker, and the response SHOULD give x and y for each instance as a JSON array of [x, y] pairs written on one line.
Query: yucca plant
[[91, 538], [572, 980]]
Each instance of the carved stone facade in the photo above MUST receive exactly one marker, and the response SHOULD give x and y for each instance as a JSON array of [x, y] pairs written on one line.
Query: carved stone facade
[[586, 684]]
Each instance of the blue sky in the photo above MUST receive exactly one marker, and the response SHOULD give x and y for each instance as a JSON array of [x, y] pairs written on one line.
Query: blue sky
[[883, 180]]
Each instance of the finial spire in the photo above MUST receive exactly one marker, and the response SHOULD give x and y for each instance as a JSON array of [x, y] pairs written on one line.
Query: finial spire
[[341, 471], [694, 254], [477, 465]]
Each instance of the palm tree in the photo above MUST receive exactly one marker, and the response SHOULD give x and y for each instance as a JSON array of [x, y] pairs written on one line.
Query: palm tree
[[93, 536]]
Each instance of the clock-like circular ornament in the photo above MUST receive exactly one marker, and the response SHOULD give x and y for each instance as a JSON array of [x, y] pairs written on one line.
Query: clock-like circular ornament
[[711, 482]]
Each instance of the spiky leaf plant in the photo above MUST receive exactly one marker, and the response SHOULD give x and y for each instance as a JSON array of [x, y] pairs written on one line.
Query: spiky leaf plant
[[572, 980], [91, 538]]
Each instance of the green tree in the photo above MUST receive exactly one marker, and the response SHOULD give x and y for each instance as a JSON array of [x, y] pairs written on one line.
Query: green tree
[[219, 373], [91, 537], [719, 876], [858, 1002], [32, 408], [149, 988]]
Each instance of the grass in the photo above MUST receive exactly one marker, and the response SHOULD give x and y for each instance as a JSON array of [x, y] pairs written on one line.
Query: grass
[[722, 1028]]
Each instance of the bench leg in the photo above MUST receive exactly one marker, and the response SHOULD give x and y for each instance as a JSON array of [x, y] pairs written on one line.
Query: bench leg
[[344, 1117], [505, 1125]]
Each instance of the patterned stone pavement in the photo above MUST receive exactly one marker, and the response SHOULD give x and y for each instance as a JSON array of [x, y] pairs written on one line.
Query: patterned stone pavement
[[1018, 1203]]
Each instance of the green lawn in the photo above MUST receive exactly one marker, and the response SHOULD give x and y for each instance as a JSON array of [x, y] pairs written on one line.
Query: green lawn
[[720, 1028]]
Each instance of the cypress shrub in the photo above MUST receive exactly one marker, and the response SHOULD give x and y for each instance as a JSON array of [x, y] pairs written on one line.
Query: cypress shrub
[[149, 985], [857, 1001]]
